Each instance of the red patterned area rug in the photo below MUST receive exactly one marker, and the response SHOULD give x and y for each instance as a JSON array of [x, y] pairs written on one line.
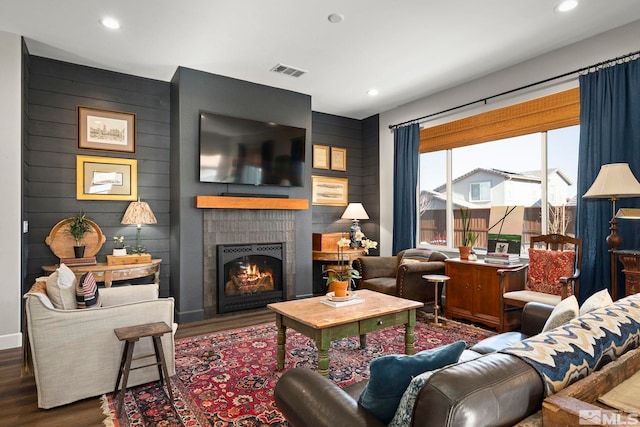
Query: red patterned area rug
[[227, 378]]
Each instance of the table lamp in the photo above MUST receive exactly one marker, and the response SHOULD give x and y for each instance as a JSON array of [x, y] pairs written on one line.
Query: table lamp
[[355, 212], [614, 181], [138, 213]]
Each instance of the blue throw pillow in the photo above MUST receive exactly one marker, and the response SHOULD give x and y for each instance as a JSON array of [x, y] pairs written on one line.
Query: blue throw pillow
[[390, 376]]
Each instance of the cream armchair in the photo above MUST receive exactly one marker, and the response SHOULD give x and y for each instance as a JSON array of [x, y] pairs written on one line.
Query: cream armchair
[[75, 353]]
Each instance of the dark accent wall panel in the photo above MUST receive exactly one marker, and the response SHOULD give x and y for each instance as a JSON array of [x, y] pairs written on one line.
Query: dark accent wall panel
[[358, 138], [194, 91], [54, 90], [371, 176]]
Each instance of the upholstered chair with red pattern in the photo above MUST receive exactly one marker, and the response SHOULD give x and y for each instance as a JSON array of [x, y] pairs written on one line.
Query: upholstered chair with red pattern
[[553, 274]]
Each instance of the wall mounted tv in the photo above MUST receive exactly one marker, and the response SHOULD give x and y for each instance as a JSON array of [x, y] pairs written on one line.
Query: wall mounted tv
[[242, 151]]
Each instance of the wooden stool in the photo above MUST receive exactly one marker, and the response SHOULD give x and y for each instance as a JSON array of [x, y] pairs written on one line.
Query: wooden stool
[[436, 279], [130, 335]]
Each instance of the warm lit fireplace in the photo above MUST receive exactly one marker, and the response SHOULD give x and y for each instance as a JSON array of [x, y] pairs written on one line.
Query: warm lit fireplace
[[250, 275]]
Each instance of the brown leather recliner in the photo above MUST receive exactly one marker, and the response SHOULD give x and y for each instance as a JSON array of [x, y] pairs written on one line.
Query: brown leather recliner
[[389, 275]]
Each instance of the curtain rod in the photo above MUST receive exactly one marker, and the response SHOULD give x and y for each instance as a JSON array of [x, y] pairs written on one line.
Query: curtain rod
[[599, 64]]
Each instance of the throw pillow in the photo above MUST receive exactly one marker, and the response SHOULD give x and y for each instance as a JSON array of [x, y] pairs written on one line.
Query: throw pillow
[[415, 255], [566, 310], [87, 295], [596, 301], [389, 377], [546, 267], [61, 288], [404, 413]]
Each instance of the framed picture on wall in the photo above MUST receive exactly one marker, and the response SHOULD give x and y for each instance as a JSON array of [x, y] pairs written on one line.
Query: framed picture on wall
[[106, 178], [329, 191], [320, 156], [106, 130], [338, 159]]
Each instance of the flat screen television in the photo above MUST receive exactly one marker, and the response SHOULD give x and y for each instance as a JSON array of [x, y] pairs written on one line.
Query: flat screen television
[[242, 151]]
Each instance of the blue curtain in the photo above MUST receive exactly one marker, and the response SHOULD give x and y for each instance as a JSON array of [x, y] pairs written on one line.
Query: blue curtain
[[609, 133], [406, 141]]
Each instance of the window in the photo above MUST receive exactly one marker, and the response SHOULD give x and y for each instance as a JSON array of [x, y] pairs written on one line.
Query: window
[[480, 191], [499, 174]]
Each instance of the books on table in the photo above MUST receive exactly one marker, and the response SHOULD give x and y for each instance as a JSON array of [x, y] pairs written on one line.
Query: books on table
[[502, 258], [351, 301]]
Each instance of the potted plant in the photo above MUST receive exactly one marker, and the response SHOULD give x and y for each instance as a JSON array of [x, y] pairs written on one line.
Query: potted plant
[[468, 237], [341, 277], [78, 226]]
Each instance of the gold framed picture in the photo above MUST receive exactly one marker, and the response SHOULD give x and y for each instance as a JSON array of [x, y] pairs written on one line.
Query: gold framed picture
[[329, 191], [321, 156], [106, 130], [106, 178], [338, 159]]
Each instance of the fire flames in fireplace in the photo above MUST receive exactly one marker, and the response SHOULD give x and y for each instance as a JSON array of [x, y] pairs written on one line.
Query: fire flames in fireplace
[[250, 275], [248, 279]]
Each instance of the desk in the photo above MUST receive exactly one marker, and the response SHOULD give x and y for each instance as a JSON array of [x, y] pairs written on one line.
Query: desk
[[109, 273], [630, 260]]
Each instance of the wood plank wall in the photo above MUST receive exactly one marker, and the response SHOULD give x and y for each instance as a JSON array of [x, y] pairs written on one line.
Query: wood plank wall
[[53, 90], [360, 138]]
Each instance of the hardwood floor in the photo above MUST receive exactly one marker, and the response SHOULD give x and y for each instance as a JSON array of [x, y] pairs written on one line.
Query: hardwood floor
[[18, 396]]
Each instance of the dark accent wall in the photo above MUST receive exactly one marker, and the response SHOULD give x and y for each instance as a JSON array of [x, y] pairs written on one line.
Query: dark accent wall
[[166, 149], [359, 138], [195, 91], [53, 91]]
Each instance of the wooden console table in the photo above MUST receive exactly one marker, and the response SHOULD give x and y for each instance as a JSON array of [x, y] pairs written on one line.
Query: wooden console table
[[630, 260], [348, 255], [473, 293], [110, 273]]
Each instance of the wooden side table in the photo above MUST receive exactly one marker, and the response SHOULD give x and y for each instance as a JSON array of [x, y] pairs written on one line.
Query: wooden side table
[[630, 260], [436, 279], [130, 335], [110, 273]]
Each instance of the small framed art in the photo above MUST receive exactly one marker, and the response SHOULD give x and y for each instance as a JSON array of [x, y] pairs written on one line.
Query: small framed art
[[106, 130], [106, 178], [338, 159], [321, 156]]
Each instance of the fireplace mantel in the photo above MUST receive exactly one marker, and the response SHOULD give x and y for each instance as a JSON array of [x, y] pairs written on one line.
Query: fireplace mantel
[[230, 202]]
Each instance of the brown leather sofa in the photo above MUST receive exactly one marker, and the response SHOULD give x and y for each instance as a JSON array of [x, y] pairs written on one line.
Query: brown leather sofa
[[493, 389], [387, 274]]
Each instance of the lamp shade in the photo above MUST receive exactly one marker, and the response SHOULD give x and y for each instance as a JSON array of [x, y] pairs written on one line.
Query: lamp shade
[[138, 213], [355, 211], [628, 213], [614, 181]]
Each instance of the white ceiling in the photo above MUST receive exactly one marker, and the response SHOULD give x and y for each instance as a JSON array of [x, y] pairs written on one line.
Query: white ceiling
[[407, 49]]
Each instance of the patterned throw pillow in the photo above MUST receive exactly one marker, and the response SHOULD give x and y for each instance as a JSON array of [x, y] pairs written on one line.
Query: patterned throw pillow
[[87, 295], [547, 267]]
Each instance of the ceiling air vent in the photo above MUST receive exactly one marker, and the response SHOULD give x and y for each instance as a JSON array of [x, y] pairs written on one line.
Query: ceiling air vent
[[289, 71]]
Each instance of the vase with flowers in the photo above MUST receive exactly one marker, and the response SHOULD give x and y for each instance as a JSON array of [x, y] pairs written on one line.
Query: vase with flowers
[[342, 275], [119, 249]]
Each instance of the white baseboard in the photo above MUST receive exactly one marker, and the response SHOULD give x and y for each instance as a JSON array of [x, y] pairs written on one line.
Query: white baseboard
[[10, 341]]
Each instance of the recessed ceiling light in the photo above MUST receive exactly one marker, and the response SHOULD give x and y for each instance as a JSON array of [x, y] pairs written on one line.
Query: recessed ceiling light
[[372, 92], [567, 5], [110, 23], [335, 18]]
